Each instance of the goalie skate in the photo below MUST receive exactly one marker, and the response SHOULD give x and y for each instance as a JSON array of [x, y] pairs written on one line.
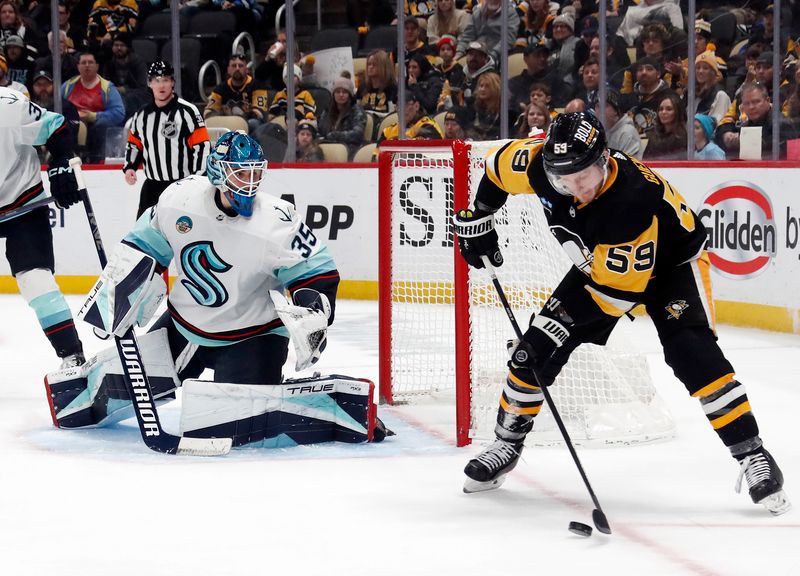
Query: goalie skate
[[765, 481], [488, 470]]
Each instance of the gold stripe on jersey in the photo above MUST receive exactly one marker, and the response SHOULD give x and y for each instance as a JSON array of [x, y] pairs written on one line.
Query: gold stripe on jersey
[[717, 384], [507, 167], [627, 266], [701, 269], [608, 304]]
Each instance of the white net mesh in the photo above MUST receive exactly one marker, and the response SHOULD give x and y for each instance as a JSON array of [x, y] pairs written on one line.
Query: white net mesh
[[604, 394]]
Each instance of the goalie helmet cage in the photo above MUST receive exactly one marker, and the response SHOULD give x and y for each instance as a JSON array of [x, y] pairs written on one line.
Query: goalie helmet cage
[[442, 329]]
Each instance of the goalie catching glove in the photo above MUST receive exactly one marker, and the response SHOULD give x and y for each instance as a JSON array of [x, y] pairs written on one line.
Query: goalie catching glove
[[127, 293], [544, 335], [307, 322], [477, 237]]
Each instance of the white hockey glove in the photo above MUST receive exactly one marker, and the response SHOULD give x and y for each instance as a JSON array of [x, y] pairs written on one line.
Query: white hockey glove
[[127, 293], [307, 323]]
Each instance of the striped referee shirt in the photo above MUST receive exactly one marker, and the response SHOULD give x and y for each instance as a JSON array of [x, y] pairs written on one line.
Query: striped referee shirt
[[172, 141]]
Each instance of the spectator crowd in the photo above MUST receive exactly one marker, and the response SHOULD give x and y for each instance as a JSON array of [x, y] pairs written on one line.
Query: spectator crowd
[[452, 59]]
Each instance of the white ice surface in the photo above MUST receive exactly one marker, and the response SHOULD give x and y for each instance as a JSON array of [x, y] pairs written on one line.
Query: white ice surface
[[98, 502]]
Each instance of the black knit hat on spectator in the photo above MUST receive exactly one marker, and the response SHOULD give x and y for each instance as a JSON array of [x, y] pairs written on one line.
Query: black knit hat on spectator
[[42, 74], [649, 61], [536, 49], [125, 38], [459, 115]]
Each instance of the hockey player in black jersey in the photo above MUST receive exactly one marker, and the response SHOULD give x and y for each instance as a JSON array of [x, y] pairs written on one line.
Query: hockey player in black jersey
[[633, 240]]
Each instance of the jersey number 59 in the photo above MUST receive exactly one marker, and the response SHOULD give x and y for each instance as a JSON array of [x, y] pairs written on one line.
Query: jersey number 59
[[621, 259]]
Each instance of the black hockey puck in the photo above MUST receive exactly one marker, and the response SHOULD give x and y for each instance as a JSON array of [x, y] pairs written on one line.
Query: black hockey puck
[[580, 529]]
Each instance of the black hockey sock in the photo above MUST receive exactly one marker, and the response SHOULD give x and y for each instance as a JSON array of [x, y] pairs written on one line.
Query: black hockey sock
[[64, 338]]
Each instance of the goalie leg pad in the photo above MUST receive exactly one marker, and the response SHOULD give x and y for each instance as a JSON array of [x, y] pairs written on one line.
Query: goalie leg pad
[[95, 393], [302, 411]]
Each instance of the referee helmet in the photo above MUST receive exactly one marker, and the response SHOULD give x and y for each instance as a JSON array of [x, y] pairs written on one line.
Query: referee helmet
[[160, 68]]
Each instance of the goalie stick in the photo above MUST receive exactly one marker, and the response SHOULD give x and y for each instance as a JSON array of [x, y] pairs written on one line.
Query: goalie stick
[[598, 517], [153, 435]]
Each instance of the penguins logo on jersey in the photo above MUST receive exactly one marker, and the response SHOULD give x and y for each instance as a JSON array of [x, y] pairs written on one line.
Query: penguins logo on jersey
[[676, 308], [573, 245], [199, 261], [169, 129]]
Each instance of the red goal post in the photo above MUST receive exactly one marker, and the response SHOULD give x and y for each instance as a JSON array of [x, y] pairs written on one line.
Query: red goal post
[[442, 331]]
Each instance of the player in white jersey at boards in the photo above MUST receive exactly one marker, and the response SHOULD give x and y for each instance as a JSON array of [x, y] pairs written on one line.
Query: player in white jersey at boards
[[633, 240], [230, 247], [29, 238]]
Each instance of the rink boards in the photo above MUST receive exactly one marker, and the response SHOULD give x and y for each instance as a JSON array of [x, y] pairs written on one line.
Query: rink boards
[[751, 211]]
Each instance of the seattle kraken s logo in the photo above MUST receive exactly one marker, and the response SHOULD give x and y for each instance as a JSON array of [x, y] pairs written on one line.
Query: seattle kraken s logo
[[199, 261]]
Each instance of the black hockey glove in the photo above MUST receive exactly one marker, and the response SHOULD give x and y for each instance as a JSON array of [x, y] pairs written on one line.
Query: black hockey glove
[[477, 237], [540, 341], [63, 186]]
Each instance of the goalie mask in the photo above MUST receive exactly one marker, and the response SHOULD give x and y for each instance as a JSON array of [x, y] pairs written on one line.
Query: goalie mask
[[236, 166], [575, 155]]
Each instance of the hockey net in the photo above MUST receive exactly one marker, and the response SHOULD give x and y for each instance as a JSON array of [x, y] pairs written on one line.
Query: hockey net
[[443, 329]]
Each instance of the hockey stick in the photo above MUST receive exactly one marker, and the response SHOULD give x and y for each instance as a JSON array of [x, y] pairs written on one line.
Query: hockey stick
[[25, 209], [87, 205], [599, 518], [138, 385]]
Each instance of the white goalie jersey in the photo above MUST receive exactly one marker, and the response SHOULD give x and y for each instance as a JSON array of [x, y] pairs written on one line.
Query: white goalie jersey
[[226, 265], [23, 125]]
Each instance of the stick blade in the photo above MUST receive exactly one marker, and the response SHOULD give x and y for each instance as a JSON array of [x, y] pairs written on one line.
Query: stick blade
[[204, 446], [601, 522]]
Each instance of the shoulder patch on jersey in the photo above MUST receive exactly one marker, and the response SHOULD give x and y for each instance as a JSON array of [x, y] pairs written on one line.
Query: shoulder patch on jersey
[[183, 224], [619, 156]]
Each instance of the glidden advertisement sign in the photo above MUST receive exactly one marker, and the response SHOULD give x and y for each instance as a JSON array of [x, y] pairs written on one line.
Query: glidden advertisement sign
[[740, 222], [752, 216]]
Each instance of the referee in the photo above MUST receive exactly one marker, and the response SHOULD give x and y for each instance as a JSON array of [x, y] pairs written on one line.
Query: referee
[[167, 135]]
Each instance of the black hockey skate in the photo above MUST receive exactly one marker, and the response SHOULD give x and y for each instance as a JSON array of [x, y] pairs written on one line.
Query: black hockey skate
[[764, 480], [488, 469]]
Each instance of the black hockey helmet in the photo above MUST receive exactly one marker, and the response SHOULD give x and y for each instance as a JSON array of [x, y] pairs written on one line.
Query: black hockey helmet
[[574, 142], [160, 68]]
